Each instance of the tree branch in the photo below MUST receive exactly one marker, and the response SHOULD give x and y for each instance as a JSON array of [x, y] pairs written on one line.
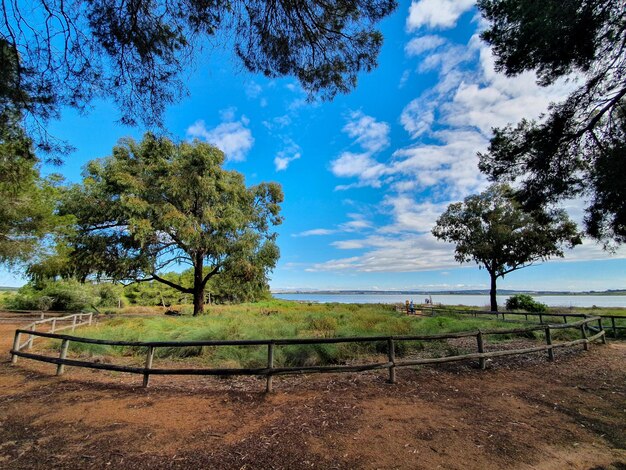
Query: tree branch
[[212, 273], [172, 284]]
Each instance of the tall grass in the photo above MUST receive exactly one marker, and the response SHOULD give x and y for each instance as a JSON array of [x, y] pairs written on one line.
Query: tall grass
[[275, 319]]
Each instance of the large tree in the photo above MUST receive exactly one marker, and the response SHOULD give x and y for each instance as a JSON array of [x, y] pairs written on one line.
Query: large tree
[[492, 230], [134, 51], [27, 201], [155, 204], [579, 147]]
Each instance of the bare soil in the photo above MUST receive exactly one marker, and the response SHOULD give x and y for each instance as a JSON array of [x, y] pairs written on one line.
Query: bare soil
[[520, 413]]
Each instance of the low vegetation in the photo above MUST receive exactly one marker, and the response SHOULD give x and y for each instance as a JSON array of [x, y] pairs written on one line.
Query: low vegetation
[[280, 319], [525, 302]]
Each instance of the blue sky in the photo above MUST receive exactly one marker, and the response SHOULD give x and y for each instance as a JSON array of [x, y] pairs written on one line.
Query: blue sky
[[365, 176]]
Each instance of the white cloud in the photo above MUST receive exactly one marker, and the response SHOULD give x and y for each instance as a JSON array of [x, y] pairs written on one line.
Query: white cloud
[[405, 253], [373, 137], [436, 13], [253, 89], [231, 137], [284, 158], [315, 232], [288, 154], [357, 223], [421, 44], [369, 133], [449, 123], [418, 117], [404, 78]]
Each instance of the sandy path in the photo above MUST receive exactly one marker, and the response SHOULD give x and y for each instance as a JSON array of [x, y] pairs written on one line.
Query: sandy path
[[522, 414]]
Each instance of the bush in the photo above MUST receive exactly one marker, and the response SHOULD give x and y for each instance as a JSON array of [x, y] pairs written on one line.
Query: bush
[[68, 295], [525, 302]]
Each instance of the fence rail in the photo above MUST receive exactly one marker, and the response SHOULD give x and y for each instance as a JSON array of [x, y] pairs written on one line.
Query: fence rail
[[55, 323], [271, 370], [614, 327]]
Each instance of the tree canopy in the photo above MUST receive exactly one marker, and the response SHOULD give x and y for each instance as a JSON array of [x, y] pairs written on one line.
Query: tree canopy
[[579, 148], [65, 53], [492, 230], [155, 204], [27, 202]]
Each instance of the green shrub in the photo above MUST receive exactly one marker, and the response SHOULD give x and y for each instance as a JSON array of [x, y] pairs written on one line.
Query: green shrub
[[66, 295], [525, 302]]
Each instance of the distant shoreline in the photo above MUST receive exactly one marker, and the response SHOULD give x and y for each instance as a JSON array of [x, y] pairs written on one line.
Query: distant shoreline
[[446, 292]]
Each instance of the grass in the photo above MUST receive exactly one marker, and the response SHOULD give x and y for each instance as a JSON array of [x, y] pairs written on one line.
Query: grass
[[279, 319]]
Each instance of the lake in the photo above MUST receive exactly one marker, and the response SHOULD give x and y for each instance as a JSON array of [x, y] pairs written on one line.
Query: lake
[[473, 300]]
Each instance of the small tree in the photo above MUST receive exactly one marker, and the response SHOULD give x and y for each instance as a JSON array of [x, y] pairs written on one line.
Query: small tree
[[525, 302], [491, 229], [155, 204]]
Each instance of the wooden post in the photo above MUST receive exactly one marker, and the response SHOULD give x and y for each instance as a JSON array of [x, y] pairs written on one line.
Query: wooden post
[[31, 338], [146, 374], [391, 355], [541, 319], [602, 329], [583, 333], [64, 345], [526, 315], [270, 366], [54, 325], [481, 349], [564, 318], [549, 343], [73, 323], [89, 319], [16, 347], [613, 327], [42, 316]]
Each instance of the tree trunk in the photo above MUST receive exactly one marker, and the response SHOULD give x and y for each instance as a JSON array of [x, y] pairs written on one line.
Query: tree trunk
[[198, 286], [492, 293]]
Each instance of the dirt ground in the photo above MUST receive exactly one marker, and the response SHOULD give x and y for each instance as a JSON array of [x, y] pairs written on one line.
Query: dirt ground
[[520, 413]]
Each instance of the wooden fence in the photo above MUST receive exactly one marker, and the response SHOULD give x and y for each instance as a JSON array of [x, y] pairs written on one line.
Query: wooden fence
[[615, 327], [271, 370], [54, 324]]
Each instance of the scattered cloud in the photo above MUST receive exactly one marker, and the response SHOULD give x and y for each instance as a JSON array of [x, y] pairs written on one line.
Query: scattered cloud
[[315, 232], [253, 89], [449, 123], [357, 223], [441, 14], [370, 134], [232, 136], [373, 137], [421, 44], [290, 153]]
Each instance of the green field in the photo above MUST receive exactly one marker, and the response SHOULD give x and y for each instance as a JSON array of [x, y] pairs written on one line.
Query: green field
[[283, 319]]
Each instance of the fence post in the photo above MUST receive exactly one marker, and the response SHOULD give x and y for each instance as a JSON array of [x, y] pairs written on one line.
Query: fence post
[[270, 366], [16, 347], [73, 323], [146, 373], [481, 349], [526, 315], [54, 325], [391, 355], [31, 337], [613, 327], [602, 330], [42, 316], [540, 319], [90, 318], [64, 345], [564, 318], [583, 333], [549, 343]]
